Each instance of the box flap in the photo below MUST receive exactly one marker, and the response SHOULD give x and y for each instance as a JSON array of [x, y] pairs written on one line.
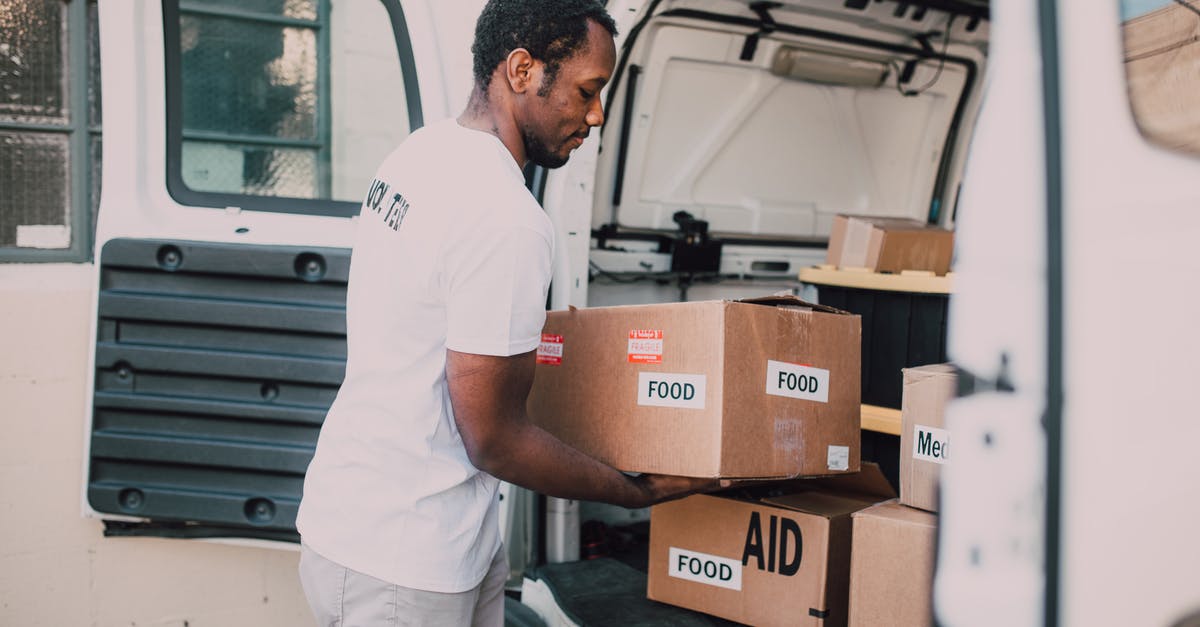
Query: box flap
[[893, 510], [918, 373], [821, 503], [868, 482], [893, 224], [824, 496], [788, 300]]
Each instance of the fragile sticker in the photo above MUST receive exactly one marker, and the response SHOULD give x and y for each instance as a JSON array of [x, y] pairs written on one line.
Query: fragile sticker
[[797, 381], [931, 444], [550, 350], [645, 346], [663, 389], [838, 457], [704, 568]]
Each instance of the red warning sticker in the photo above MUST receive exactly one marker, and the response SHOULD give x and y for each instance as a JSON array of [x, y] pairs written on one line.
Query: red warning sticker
[[550, 350], [646, 346]]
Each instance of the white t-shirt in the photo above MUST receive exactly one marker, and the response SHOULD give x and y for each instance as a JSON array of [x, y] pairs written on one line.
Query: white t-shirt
[[453, 252]]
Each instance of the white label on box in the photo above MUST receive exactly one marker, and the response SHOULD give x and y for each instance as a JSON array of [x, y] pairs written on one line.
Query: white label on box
[[703, 568], [838, 457], [931, 444], [662, 389], [796, 381]]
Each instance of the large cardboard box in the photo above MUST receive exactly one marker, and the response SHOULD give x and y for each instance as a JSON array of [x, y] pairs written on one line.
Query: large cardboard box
[[782, 558], [891, 566], [889, 245], [732, 389], [924, 443]]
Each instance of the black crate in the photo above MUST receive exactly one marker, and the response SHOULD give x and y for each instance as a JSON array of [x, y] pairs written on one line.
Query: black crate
[[899, 330]]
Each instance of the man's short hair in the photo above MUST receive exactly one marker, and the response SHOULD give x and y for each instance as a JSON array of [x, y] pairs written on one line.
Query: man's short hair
[[551, 30]]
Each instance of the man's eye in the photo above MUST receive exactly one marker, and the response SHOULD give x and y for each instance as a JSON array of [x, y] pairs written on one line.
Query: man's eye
[[587, 95]]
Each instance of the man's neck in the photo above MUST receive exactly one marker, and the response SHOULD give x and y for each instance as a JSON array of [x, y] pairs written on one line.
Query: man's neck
[[486, 115]]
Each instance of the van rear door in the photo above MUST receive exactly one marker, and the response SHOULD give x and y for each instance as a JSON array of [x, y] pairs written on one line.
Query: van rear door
[[240, 139]]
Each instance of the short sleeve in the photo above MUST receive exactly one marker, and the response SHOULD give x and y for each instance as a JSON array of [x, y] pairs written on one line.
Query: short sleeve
[[496, 282]]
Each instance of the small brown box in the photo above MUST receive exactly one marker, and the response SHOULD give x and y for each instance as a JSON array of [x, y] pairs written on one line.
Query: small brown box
[[889, 245]]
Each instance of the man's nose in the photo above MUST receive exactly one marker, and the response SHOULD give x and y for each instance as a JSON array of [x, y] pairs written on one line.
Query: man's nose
[[595, 114]]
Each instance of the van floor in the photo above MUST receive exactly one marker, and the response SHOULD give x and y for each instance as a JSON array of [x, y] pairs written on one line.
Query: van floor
[[608, 587]]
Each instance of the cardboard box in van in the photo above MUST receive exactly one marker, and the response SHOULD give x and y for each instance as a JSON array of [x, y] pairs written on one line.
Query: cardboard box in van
[[891, 566], [924, 443], [889, 245], [782, 558], [755, 388]]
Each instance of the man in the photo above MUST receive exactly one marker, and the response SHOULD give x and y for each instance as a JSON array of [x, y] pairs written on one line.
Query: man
[[446, 304]]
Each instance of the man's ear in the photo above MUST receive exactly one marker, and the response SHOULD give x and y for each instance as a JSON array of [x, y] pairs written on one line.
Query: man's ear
[[522, 71]]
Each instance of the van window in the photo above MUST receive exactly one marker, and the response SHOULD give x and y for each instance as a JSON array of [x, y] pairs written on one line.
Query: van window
[[285, 105], [49, 130], [1161, 56]]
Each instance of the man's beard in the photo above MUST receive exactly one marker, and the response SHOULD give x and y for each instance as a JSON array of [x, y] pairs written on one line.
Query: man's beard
[[537, 152]]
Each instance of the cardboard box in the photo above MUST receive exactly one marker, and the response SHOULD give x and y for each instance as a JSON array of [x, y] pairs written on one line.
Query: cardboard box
[[891, 566], [889, 245], [924, 444], [755, 388], [776, 559]]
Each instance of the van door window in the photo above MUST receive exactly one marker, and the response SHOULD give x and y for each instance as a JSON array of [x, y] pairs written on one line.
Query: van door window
[[1161, 53], [284, 105], [49, 129]]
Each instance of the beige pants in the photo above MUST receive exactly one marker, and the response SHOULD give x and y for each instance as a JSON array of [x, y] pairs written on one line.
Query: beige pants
[[341, 597]]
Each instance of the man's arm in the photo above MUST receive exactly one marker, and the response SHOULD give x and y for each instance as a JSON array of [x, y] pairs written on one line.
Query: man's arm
[[488, 396]]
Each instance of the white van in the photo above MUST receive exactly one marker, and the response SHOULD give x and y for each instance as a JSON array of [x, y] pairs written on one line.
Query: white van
[[178, 186]]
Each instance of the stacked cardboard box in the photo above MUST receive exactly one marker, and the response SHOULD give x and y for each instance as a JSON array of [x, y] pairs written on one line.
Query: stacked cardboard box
[[924, 441], [760, 388], [776, 558], [891, 566], [763, 388], [890, 245], [891, 572]]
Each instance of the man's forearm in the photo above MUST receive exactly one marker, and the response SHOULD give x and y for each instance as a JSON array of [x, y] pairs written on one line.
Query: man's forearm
[[528, 456]]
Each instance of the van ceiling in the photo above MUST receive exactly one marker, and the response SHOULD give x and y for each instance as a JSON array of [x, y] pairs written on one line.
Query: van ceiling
[[835, 110]]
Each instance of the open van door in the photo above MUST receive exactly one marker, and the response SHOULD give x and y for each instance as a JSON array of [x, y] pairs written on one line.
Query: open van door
[[240, 140], [1070, 499]]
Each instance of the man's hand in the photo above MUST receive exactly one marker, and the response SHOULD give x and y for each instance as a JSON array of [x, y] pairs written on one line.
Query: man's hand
[[659, 488]]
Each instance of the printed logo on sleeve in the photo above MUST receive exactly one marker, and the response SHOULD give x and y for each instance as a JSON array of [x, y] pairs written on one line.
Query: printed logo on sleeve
[[550, 350], [703, 568], [646, 346], [796, 381], [662, 389], [379, 198], [931, 444]]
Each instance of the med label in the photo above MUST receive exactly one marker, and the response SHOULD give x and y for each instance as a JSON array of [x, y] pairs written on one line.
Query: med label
[[796, 381], [931, 444], [704, 568], [663, 389]]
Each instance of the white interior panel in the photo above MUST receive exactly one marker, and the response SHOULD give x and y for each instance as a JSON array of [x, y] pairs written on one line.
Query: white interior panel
[[755, 153]]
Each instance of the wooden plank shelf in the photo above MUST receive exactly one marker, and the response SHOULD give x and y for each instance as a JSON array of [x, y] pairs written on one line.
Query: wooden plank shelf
[[881, 419], [861, 278]]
